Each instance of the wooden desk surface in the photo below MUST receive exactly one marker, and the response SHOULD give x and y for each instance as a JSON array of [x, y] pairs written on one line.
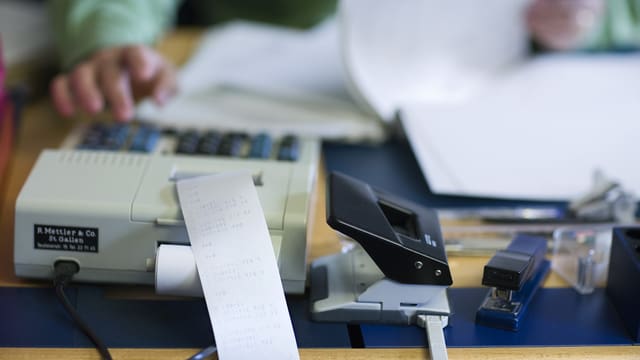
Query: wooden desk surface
[[42, 128]]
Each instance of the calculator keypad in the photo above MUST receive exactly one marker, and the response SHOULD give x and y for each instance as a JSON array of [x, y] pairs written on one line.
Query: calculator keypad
[[145, 138]]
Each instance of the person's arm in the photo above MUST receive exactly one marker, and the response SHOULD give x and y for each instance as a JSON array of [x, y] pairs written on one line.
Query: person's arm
[[563, 24], [619, 27], [83, 26], [585, 24], [105, 46]]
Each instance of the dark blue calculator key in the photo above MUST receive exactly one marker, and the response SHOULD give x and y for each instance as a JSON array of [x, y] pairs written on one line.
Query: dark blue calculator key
[[116, 137], [169, 131], [138, 140], [261, 146], [88, 146], [153, 136], [95, 130], [231, 144], [289, 148], [93, 137], [188, 142], [145, 139], [209, 143], [90, 141]]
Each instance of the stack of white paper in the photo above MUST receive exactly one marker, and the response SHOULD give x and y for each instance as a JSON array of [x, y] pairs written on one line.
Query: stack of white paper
[[482, 117], [537, 132], [254, 77], [427, 50]]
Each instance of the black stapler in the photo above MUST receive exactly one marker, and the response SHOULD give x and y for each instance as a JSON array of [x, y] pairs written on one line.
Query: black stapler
[[397, 273], [514, 274]]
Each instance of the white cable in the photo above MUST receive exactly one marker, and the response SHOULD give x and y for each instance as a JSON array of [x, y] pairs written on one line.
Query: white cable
[[433, 325]]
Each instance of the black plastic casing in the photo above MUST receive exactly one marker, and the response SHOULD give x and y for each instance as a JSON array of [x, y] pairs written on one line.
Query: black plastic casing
[[623, 279], [511, 268], [403, 238]]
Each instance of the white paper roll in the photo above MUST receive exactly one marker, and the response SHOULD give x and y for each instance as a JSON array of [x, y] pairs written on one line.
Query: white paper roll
[[176, 272]]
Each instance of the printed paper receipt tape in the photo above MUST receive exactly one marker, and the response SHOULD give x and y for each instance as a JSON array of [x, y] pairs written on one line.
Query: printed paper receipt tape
[[237, 267]]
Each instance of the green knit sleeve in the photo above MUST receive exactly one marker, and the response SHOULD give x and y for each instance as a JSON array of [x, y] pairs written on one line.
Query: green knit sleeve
[[84, 26], [618, 29]]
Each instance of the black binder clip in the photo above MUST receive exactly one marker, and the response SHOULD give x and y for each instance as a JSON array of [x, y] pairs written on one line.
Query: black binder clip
[[514, 275], [397, 273]]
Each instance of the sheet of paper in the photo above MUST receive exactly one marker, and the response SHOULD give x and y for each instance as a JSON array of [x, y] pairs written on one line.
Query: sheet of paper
[[237, 267], [253, 77], [427, 50], [537, 132], [269, 59]]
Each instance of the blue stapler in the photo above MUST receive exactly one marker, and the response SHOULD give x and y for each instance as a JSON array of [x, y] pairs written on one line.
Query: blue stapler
[[514, 274], [397, 273]]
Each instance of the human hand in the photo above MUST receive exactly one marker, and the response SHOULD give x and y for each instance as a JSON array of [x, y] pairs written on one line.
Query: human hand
[[114, 76], [563, 24]]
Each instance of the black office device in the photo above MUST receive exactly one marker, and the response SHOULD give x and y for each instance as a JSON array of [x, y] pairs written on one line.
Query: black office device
[[397, 271], [402, 238], [623, 280]]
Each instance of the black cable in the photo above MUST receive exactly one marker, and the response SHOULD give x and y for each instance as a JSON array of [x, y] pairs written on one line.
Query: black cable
[[64, 271], [204, 353]]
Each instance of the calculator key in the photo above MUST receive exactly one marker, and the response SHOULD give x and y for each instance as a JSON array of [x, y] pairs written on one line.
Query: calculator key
[[89, 144], [92, 139], [209, 143], [98, 128], [289, 148], [169, 131], [188, 142], [232, 144], [261, 146], [145, 139], [116, 136]]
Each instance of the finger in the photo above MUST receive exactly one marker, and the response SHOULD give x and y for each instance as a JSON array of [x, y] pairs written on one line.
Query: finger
[[85, 88], [165, 84], [571, 16], [142, 62], [114, 83], [553, 27], [62, 97]]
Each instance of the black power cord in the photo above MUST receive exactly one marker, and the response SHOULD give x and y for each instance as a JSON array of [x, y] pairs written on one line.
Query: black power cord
[[64, 271]]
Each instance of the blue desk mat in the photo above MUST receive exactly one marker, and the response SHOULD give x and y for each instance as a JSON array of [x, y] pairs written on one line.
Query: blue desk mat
[[556, 317], [559, 316], [33, 317]]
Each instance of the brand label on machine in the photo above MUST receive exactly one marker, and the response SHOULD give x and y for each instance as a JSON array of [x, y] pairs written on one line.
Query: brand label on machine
[[65, 238]]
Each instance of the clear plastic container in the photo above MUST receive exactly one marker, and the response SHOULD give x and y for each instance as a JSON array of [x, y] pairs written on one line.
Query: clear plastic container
[[581, 256]]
